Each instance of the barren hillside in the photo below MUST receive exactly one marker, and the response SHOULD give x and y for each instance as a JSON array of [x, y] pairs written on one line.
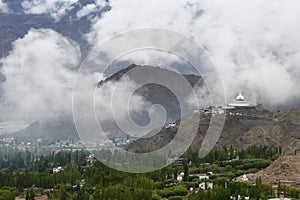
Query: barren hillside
[[286, 169], [253, 127]]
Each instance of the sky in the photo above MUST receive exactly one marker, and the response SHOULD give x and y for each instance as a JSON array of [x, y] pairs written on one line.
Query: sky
[[254, 44]]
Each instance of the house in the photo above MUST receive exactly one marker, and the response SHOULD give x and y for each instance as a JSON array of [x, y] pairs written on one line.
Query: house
[[239, 198], [180, 176], [178, 161], [171, 125], [57, 169], [201, 176], [90, 159], [206, 186]]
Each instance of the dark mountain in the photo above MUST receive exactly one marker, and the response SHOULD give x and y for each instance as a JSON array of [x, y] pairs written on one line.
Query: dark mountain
[[152, 93], [155, 93], [62, 128]]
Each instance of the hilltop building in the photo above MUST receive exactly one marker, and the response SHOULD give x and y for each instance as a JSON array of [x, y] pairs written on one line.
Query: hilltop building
[[240, 101]]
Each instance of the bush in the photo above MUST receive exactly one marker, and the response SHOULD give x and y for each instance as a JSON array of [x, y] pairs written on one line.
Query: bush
[[174, 191], [155, 197], [175, 198], [7, 195]]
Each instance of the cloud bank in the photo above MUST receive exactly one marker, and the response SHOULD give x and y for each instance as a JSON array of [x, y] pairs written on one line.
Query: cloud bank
[[39, 76], [40, 73], [254, 44]]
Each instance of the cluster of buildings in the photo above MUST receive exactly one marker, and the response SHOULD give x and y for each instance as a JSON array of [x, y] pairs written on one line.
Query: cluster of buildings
[[204, 185], [7, 140], [240, 102], [11, 143], [230, 109], [240, 107], [66, 145], [123, 142]]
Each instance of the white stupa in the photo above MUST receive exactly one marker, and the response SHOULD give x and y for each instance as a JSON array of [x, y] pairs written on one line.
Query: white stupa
[[245, 178], [240, 101]]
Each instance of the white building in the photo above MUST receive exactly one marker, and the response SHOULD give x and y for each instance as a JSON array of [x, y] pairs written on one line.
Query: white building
[[239, 198], [171, 125], [201, 176], [180, 176], [245, 178], [240, 101], [205, 186], [57, 169], [217, 110]]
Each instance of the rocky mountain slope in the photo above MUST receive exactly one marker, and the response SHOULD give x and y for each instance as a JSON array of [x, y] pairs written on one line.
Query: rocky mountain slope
[[286, 169], [243, 127]]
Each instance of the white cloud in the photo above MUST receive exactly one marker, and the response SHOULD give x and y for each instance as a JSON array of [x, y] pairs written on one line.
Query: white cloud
[[40, 73], [39, 76], [255, 44], [86, 10], [3, 7], [130, 14], [56, 8], [91, 8]]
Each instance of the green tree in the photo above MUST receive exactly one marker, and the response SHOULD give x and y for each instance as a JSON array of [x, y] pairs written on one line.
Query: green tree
[[7, 195], [186, 171], [278, 189], [62, 192], [27, 196], [31, 194]]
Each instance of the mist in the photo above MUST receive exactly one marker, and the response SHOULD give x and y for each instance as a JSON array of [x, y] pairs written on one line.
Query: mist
[[40, 73], [39, 76], [253, 44]]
